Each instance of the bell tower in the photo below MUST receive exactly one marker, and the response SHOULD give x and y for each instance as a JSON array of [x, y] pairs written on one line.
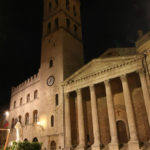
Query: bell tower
[[62, 48], [61, 56]]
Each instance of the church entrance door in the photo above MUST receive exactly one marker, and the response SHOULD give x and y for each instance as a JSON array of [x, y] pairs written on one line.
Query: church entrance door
[[53, 145], [122, 132]]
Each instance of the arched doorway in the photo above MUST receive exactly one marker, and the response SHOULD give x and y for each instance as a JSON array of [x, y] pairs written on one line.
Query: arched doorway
[[122, 132], [35, 139], [53, 145]]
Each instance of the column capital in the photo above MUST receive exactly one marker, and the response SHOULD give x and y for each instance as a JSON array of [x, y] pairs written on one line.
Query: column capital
[[123, 78], [107, 83], [66, 95], [92, 87], [78, 91], [141, 71]]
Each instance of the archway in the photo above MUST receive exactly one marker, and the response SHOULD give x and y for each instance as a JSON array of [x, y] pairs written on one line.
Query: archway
[[35, 139], [26, 140], [53, 145], [122, 132]]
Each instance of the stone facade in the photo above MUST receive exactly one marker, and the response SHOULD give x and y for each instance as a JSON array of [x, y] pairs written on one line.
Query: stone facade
[[104, 104]]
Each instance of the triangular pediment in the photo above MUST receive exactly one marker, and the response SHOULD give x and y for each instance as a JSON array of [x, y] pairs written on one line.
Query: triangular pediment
[[99, 64], [111, 52]]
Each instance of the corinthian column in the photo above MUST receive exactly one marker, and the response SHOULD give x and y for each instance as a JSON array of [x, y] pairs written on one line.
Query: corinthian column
[[67, 123], [96, 131], [145, 93], [111, 116], [133, 143], [81, 129]]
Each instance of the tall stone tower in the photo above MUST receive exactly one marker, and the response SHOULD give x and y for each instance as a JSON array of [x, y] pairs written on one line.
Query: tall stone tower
[[62, 48], [61, 55]]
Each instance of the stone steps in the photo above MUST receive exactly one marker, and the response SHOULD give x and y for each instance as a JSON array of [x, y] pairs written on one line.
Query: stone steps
[[146, 146]]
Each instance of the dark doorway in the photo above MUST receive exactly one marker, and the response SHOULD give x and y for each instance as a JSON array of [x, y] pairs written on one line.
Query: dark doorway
[[122, 132], [25, 140], [53, 145]]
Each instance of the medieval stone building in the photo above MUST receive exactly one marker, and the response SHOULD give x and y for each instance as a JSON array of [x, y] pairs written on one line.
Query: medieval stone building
[[104, 104]]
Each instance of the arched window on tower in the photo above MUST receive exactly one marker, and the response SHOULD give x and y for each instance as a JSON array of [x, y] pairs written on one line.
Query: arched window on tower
[[74, 11], [14, 104], [67, 4], [67, 23], [56, 2], [50, 6], [35, 116], [56, 24], [57, 99], [35, 94], [21, 101], [49, 28], [28, 98], [51, 63], [52, 121], [26, 118]]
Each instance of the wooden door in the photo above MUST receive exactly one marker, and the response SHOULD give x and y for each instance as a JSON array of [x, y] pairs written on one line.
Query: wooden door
[[122, 132]]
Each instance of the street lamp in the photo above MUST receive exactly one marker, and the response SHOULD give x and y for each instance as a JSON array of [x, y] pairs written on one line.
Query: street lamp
[[7, 113]]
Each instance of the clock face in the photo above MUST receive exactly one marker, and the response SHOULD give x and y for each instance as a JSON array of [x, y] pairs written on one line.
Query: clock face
[[50, 80]]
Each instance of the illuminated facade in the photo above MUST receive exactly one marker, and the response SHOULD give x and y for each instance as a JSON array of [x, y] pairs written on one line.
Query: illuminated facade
[[104, 104]]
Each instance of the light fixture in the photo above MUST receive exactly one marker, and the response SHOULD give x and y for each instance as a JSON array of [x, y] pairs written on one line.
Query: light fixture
[[40, 125], [7, 113]]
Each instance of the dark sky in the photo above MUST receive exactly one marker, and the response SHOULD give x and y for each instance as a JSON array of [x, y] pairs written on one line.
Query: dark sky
[[105, 24]]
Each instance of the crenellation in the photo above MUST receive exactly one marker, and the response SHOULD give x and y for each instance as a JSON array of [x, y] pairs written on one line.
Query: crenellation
[[33, 79]]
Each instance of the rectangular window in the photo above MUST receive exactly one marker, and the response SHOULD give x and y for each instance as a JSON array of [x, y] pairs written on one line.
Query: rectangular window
[[35, 94], [57, 99]]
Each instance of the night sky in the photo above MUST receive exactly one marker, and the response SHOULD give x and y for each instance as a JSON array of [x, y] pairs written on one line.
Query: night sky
[[105, 24]]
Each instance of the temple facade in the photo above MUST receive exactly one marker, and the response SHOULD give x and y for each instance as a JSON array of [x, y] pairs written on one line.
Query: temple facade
[[104, 104]]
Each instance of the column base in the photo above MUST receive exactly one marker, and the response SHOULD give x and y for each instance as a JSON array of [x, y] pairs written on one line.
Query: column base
[[133, 145], [80, 147], [95, 147], [113, 146], [68, 148]]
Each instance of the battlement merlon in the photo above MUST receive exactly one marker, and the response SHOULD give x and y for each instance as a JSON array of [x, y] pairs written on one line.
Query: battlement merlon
[[32, 80]]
